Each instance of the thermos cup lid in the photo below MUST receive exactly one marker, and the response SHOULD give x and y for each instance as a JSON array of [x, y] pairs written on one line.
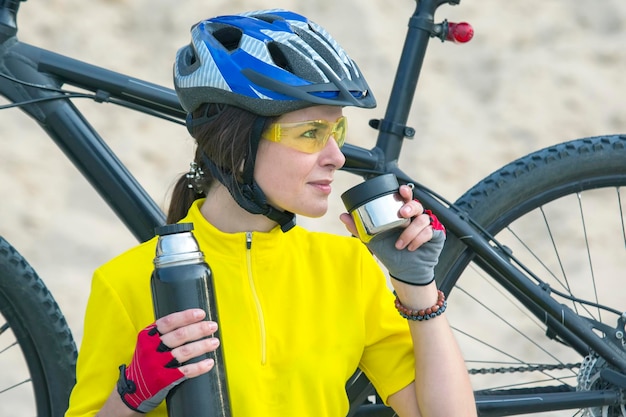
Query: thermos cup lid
[[369, 190], [169, 229]]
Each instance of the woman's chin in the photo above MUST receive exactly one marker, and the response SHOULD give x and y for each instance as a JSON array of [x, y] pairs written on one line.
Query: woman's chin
[[314, 213]]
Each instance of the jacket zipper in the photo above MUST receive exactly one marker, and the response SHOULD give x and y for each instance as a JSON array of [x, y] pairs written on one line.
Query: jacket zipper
[[255, 296]]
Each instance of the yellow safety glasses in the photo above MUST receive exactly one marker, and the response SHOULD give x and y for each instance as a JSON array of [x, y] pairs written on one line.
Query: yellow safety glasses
[[310, 136]]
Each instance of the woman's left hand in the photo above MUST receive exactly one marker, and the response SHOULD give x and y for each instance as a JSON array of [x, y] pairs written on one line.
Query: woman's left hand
[[409, 254]]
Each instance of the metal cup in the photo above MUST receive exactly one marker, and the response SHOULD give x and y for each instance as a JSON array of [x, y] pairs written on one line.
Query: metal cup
[[374, 205]]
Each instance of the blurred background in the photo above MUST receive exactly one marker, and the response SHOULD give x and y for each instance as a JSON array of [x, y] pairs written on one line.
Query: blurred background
[[537, 72]]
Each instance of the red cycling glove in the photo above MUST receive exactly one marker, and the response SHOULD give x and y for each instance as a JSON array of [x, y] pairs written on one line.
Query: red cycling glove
[[152, 373]]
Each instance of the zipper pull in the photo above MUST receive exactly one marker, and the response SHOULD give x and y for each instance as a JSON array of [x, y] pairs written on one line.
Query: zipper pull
[[248, 240]]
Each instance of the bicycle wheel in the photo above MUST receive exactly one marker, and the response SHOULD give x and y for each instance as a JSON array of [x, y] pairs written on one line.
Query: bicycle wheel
[[561, 213], [37, 352]]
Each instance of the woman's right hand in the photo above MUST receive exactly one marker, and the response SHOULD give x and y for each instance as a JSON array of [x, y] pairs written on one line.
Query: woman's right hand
[[160, 351], [187, 334]]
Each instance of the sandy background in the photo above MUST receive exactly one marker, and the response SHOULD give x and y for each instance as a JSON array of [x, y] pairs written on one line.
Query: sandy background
[[538, 72]]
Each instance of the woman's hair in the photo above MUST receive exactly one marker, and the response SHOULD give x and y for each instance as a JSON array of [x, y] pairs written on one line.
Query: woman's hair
[[222, 133]]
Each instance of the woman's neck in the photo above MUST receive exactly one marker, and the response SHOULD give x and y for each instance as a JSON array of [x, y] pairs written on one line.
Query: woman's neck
[[223, 212]]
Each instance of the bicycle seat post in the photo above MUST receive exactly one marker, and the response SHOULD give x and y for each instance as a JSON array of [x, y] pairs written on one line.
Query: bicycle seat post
[[393, 129]]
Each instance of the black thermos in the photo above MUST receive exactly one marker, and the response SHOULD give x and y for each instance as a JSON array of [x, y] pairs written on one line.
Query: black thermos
[[182, 280]]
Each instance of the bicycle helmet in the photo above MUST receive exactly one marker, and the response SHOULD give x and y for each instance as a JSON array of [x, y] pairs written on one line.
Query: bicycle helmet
[[268, 62]]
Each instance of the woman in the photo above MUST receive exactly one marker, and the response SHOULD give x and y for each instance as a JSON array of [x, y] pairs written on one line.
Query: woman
[[299, 311]]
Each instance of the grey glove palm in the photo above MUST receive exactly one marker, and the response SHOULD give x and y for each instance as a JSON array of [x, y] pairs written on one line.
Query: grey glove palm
[[415, 268]]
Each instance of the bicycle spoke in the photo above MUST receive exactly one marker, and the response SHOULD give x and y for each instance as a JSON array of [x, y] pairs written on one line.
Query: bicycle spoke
[[9, 347], [565, 285], [15, 385], [496, 366], [509, 325], [591, 270], [621, 212]]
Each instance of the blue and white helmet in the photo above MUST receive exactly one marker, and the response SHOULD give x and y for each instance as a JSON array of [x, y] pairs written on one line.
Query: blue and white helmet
[[268, 62]]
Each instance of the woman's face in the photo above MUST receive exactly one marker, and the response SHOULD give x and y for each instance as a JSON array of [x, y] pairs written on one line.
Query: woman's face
[[294, 180]]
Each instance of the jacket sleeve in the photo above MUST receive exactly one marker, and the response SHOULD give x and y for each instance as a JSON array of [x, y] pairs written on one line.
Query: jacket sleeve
[[108, 342]]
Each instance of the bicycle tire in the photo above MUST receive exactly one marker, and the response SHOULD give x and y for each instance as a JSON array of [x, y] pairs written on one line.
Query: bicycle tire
[[519, 204], [42, 370]]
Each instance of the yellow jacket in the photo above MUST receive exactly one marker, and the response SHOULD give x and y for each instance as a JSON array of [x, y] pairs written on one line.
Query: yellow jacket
[[298, 311]]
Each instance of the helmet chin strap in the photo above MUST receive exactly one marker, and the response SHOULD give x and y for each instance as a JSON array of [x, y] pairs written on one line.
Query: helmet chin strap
[[248, 194]]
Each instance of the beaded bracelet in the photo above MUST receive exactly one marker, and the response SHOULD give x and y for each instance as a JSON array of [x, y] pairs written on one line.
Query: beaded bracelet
[[423, 314]]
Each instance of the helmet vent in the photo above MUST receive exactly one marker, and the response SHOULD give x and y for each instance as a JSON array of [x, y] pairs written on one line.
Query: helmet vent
[[269, 18], [278, 56], [229, 37]]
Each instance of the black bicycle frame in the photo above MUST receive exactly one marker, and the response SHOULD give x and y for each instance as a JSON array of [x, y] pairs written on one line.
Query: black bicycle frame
[[65, 124]]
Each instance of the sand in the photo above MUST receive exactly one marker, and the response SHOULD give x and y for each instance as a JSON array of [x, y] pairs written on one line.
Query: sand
[[536, 73]]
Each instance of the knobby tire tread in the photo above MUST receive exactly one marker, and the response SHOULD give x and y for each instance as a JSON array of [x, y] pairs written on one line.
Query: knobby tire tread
[[40, 329]]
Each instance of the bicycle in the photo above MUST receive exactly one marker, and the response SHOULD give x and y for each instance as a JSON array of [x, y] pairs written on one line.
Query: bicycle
[[533, 185]]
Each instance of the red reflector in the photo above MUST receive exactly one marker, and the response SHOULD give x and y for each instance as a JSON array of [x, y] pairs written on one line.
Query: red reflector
[[460, 32]]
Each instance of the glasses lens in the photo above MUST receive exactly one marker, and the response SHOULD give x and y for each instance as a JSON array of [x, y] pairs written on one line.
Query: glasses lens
[[310, 136], [339, 131]]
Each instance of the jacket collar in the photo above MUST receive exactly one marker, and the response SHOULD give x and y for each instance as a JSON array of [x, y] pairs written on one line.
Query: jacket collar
[[215, 243]]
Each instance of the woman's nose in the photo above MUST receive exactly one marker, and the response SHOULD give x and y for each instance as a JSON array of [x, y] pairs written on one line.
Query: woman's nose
[[332, 155]]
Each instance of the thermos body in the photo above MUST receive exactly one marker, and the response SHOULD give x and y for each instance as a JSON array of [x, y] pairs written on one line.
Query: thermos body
[[182, 280], [181, 287]]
